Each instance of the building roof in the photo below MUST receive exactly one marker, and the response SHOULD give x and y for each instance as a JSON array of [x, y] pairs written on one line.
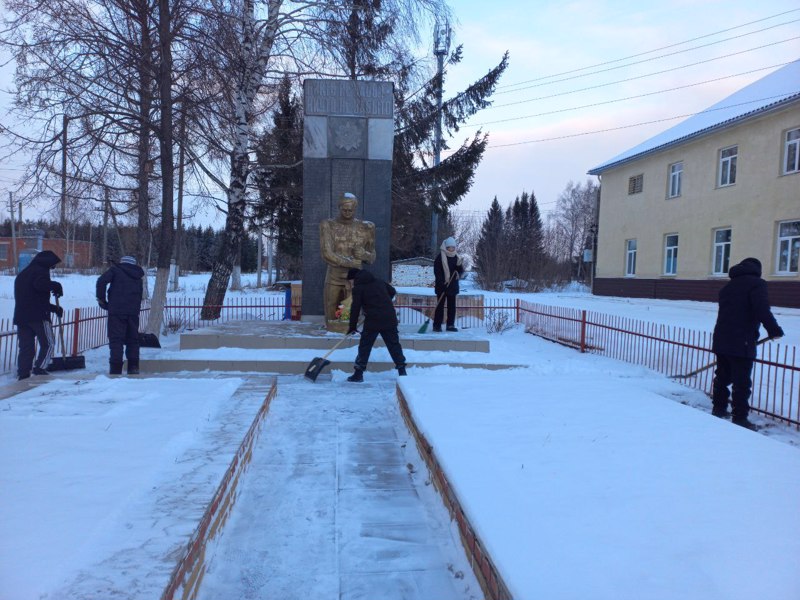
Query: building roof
[[776, 90]]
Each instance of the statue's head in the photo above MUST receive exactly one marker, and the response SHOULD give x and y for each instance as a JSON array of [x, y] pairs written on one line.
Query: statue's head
[[347, 205]]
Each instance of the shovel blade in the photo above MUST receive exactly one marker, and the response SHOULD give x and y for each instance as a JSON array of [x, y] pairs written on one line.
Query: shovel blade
[[149, 340], [315, 368], [67, 363]]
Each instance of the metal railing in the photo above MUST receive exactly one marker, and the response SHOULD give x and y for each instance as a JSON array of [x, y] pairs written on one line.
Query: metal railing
[[667, 349], [672, 351]]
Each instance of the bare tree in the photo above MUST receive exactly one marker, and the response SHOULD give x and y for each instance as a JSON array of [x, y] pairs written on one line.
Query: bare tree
[[571, 223]]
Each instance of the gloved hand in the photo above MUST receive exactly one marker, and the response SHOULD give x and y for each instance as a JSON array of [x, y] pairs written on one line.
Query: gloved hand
[[56, 288], [57, 310], [102, 304], [352, 331], [778, 333]]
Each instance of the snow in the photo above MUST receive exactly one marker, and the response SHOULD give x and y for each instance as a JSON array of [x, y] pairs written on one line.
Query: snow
[[584, 476], [775, 87]]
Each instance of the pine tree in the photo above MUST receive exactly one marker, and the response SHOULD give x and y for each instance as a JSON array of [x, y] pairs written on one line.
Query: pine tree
[[280, 181], [491, 247], [418, 186]]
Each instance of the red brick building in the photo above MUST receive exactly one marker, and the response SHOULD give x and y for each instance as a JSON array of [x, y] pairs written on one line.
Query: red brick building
[[74, 254]]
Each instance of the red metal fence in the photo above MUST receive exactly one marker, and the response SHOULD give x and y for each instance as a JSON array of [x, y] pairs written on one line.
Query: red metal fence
[[667, 349], [671, 350]]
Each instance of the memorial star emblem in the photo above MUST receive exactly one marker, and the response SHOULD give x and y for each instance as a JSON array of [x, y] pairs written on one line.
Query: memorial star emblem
[[347, 137]]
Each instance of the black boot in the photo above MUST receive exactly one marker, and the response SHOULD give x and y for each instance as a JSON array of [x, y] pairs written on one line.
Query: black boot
[[401, 371], [40, 371], [115, 368], [452, 328], [133, 368], [357, 376], [745, 422]]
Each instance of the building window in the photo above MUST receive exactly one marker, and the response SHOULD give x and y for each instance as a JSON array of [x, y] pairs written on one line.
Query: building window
[[722, 251], [788, 247], [671, 254], [636, 184], [630, 258], [727, 165], [675, 177], [792, 152], [4, 252]]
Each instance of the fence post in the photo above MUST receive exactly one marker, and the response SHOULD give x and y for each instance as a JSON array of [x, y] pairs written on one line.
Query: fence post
[[517, 307], [583, 331], [75, 331]]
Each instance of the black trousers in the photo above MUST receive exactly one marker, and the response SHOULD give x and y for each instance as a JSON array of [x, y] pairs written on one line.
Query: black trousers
[[450, 300], [392, 340], [27, 334], [732, 371], [123, 332]]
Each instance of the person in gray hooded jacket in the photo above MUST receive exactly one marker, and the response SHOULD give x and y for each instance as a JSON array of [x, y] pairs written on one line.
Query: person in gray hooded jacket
[[32, 310], [124, 283]]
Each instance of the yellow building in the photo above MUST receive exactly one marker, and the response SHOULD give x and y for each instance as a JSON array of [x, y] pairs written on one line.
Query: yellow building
[[677, 210]]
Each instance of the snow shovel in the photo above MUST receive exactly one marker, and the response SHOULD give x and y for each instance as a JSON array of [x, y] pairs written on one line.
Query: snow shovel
[[424, 327], [709, 365], [148, 340], [64, 362], [320, 362]]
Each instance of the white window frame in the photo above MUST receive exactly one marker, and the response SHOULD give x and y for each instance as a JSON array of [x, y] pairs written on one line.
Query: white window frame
[[727, 166], [788, 249], [675, 179], [671, 241], [630, 258], [721, 251], [791, 152]]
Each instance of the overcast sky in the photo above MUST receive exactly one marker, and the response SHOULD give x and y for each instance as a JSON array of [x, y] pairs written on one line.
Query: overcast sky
[[592, 66], [600, 55]]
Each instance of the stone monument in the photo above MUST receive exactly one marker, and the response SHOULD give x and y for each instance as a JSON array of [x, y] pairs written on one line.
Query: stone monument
[[347, 149]]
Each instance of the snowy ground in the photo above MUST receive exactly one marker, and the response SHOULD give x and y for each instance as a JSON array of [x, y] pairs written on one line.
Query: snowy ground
[[585, 477]]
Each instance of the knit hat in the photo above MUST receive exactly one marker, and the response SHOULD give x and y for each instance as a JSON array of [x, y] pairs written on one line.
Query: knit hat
[[451, 241], [128, 260], [351, 274]]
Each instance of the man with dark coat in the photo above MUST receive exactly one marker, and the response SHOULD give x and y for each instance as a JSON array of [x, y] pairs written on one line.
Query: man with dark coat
[[124, 282], [32, 309], [743, 305], [375, 297]]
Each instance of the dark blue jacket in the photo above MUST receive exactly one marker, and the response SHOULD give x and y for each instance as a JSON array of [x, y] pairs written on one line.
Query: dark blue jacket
[[743, 305], [374, 296], [32, 289], [440, 280], [125, 287]]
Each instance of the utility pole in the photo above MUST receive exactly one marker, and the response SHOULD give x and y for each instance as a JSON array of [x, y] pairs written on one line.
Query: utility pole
[[175, 275], [104, 252], [441, 46], [259, 250], [64, 172], [13, 230]]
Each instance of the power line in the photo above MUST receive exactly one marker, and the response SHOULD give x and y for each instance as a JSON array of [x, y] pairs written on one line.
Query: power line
[[601, 85], [564, 137], [594, 104], [659, 49]]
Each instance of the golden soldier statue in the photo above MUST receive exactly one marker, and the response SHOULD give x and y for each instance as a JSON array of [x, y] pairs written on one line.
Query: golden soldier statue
[[346, 243]]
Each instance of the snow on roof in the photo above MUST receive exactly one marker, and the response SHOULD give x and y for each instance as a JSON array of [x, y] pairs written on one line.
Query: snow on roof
[[775, 90]]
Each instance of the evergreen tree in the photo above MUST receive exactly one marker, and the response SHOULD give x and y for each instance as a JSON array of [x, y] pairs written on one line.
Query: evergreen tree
[[489, 252], [280, 181], [418, 186]]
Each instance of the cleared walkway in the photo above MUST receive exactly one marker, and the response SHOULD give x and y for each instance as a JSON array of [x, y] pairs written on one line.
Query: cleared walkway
[[336, 504]]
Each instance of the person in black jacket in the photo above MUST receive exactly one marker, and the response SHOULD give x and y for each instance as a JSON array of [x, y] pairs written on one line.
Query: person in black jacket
[[124, 282], [32, 309], [743, 305], [448, 268], [375, 297]]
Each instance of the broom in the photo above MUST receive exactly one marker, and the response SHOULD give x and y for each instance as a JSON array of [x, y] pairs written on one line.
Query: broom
[[64, 362], [709, 365], [424, 327]]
